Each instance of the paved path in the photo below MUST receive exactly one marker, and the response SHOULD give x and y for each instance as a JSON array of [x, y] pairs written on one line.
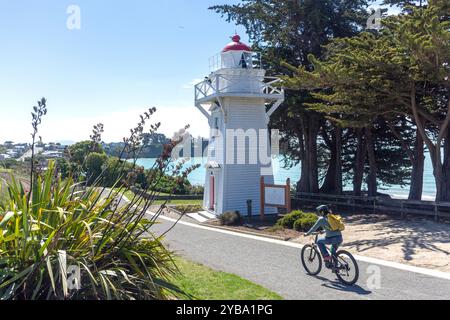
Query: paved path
[[278, 268]]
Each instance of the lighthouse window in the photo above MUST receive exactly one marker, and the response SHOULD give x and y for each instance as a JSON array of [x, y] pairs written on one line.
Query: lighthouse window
[[243, 62], [216, 123]]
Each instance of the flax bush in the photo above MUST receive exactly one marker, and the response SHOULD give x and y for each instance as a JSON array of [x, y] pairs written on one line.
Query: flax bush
[[62, 226]]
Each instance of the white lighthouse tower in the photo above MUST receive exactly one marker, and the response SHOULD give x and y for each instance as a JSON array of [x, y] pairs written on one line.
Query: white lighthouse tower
[[238, 100]]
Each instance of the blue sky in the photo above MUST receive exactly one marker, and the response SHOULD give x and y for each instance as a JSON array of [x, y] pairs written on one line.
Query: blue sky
[[128, 55]]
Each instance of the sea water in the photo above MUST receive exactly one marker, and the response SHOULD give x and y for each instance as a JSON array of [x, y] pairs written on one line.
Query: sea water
[[281, 174]]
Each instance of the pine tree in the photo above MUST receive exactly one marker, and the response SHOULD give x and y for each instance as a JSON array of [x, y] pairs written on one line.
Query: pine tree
[[424, 37], [400, 73], [290, 30]]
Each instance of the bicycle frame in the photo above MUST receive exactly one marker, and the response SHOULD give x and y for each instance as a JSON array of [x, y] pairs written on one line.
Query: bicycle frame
[[335, 258], [315, 242]]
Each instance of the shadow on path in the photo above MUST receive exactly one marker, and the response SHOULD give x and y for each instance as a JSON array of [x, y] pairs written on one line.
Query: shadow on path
[[336, 285]]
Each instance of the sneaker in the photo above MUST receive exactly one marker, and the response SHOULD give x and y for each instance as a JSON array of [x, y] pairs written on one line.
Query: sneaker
[[328, 262]]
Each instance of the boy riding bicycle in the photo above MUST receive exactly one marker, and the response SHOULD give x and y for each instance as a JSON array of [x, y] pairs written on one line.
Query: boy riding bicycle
[[333, 234]]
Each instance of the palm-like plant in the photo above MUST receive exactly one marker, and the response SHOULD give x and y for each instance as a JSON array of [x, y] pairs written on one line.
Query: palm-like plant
[[67, 227]]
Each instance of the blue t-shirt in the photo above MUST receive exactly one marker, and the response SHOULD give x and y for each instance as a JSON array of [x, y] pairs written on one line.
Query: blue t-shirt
[[323, 223]]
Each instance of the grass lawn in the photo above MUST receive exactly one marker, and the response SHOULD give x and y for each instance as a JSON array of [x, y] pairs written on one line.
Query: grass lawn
[[129, 194], [181, 202], [203, 283]]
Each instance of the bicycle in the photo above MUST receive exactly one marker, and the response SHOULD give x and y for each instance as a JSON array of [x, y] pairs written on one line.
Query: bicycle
[[343, 264]]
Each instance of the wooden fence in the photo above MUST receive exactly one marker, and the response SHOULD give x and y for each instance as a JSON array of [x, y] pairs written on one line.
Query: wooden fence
[[376, 204]]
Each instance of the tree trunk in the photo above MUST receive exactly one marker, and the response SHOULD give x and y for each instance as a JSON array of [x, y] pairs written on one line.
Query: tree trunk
[[333, 178], [437, 171], [440, 168], [373, 170], [360, 160], [309, 181], [445, 181], [311, 151], [303, 165], [417, 159], [338, 175], [418, 166]]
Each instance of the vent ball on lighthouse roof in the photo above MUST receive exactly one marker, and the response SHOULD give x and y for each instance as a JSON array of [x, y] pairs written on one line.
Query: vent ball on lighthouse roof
[[236, 45]]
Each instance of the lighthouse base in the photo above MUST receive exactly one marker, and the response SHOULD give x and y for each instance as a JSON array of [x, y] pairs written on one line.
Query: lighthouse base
[[233, 188]]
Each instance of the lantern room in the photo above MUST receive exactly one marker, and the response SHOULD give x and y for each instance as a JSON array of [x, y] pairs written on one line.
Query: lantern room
[[237, 55]]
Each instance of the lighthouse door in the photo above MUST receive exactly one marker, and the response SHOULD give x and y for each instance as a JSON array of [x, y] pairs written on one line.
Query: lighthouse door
[[212, 193]]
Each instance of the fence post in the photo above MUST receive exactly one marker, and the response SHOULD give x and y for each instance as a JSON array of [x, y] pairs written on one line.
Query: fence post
[[403, 212], [436, 212], [354, 205], [249, 210], [288, 196], [374, 205]]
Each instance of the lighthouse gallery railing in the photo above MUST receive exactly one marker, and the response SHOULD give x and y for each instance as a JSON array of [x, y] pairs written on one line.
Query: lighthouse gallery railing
[[218, 84]]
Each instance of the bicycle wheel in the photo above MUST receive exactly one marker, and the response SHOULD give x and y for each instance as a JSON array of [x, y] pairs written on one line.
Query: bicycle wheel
[[311, 260], [347, 269]]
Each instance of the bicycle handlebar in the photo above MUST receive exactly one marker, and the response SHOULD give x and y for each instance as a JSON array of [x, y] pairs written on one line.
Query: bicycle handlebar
[[317, 233]]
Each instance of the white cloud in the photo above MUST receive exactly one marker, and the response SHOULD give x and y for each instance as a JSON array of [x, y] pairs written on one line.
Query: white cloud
[[117, 125]]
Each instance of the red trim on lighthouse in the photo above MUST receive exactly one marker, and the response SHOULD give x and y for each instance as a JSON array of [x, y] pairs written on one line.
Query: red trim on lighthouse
[[236, 45]]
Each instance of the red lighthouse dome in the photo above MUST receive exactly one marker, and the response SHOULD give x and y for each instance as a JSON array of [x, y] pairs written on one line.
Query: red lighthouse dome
[[236, 45]]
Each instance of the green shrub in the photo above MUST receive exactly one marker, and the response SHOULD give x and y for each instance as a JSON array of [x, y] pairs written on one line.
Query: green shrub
[[298, 220], [196, 190], [306, 222], [9, 163], [78, 152], [230, 218], [169, 184], [118, 173], [93, 164], [289, 220]]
